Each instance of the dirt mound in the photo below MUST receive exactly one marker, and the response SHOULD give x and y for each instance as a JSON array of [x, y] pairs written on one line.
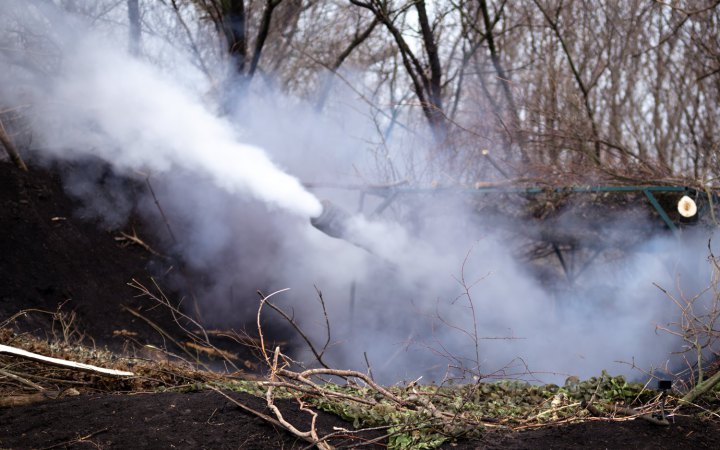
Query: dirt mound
[[52, 257]]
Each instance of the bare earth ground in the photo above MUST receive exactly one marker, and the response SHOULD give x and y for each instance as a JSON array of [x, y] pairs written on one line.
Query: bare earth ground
[[49, 256], [207, 420]]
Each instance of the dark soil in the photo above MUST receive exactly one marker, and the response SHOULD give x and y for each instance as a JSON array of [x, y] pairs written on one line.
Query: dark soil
[[209, 420], [169, 420], [50, 256]]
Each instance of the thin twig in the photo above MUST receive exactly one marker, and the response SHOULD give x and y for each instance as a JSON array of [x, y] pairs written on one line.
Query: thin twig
[[21, 380], [77, 440], [166, 335]]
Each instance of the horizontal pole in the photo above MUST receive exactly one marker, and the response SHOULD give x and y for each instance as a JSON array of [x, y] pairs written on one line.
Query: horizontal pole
[[522, 190]]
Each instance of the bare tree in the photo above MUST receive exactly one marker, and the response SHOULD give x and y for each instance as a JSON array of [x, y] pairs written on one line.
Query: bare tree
[[625, 90], [425, 74], [135, 30]]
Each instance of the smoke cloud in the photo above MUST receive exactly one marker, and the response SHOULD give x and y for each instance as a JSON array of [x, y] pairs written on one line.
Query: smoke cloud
[[107, 104], [440, 290]]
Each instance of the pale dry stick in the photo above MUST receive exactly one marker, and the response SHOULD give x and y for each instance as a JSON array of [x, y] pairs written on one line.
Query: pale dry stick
[[291, 321], [52, 380], [321, 444], [10, 149], [61, 362], [21, 380], [264, 299], [340, 432], [311, 434], [133, 238], [306, 374], [412, 403], [568, 420], [695, 405], [264, 417], [556, 409], [9, 400], [637, 414], [315, 389]]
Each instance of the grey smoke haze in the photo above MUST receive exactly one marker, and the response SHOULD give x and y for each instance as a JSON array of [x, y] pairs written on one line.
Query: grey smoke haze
[[240, 217]]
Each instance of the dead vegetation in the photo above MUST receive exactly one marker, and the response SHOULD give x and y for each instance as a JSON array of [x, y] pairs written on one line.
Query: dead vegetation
[[404, 416], [26, 380]]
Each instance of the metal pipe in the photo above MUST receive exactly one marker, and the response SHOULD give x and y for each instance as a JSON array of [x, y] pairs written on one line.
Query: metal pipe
[[333, 221], [336, 222]]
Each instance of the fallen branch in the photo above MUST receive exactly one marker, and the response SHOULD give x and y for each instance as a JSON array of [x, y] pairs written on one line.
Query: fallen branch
[[305, 378], [11, 150], [310, 435], [265, 417], [592, 409], [212, 351], [21, 380], [62, 362], [134, 239], [11, 401], [701, 388], [635, 413]]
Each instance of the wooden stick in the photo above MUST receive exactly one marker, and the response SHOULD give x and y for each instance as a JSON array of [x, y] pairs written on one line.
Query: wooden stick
[[701, 388], [635, 413], [61, 362], [10, 149], [21, 380]]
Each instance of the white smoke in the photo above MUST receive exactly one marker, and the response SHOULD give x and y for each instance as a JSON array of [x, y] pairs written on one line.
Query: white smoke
[[107, 104], [242, 222]]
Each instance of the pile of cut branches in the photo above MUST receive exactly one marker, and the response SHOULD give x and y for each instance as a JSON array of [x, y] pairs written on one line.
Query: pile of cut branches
[[34, 369]]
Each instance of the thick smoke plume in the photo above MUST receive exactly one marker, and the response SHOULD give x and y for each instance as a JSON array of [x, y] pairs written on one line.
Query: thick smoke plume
[[107, 104], [439, 290]]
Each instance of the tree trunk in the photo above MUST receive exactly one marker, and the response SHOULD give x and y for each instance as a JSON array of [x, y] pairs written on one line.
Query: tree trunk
[[134, 21]]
